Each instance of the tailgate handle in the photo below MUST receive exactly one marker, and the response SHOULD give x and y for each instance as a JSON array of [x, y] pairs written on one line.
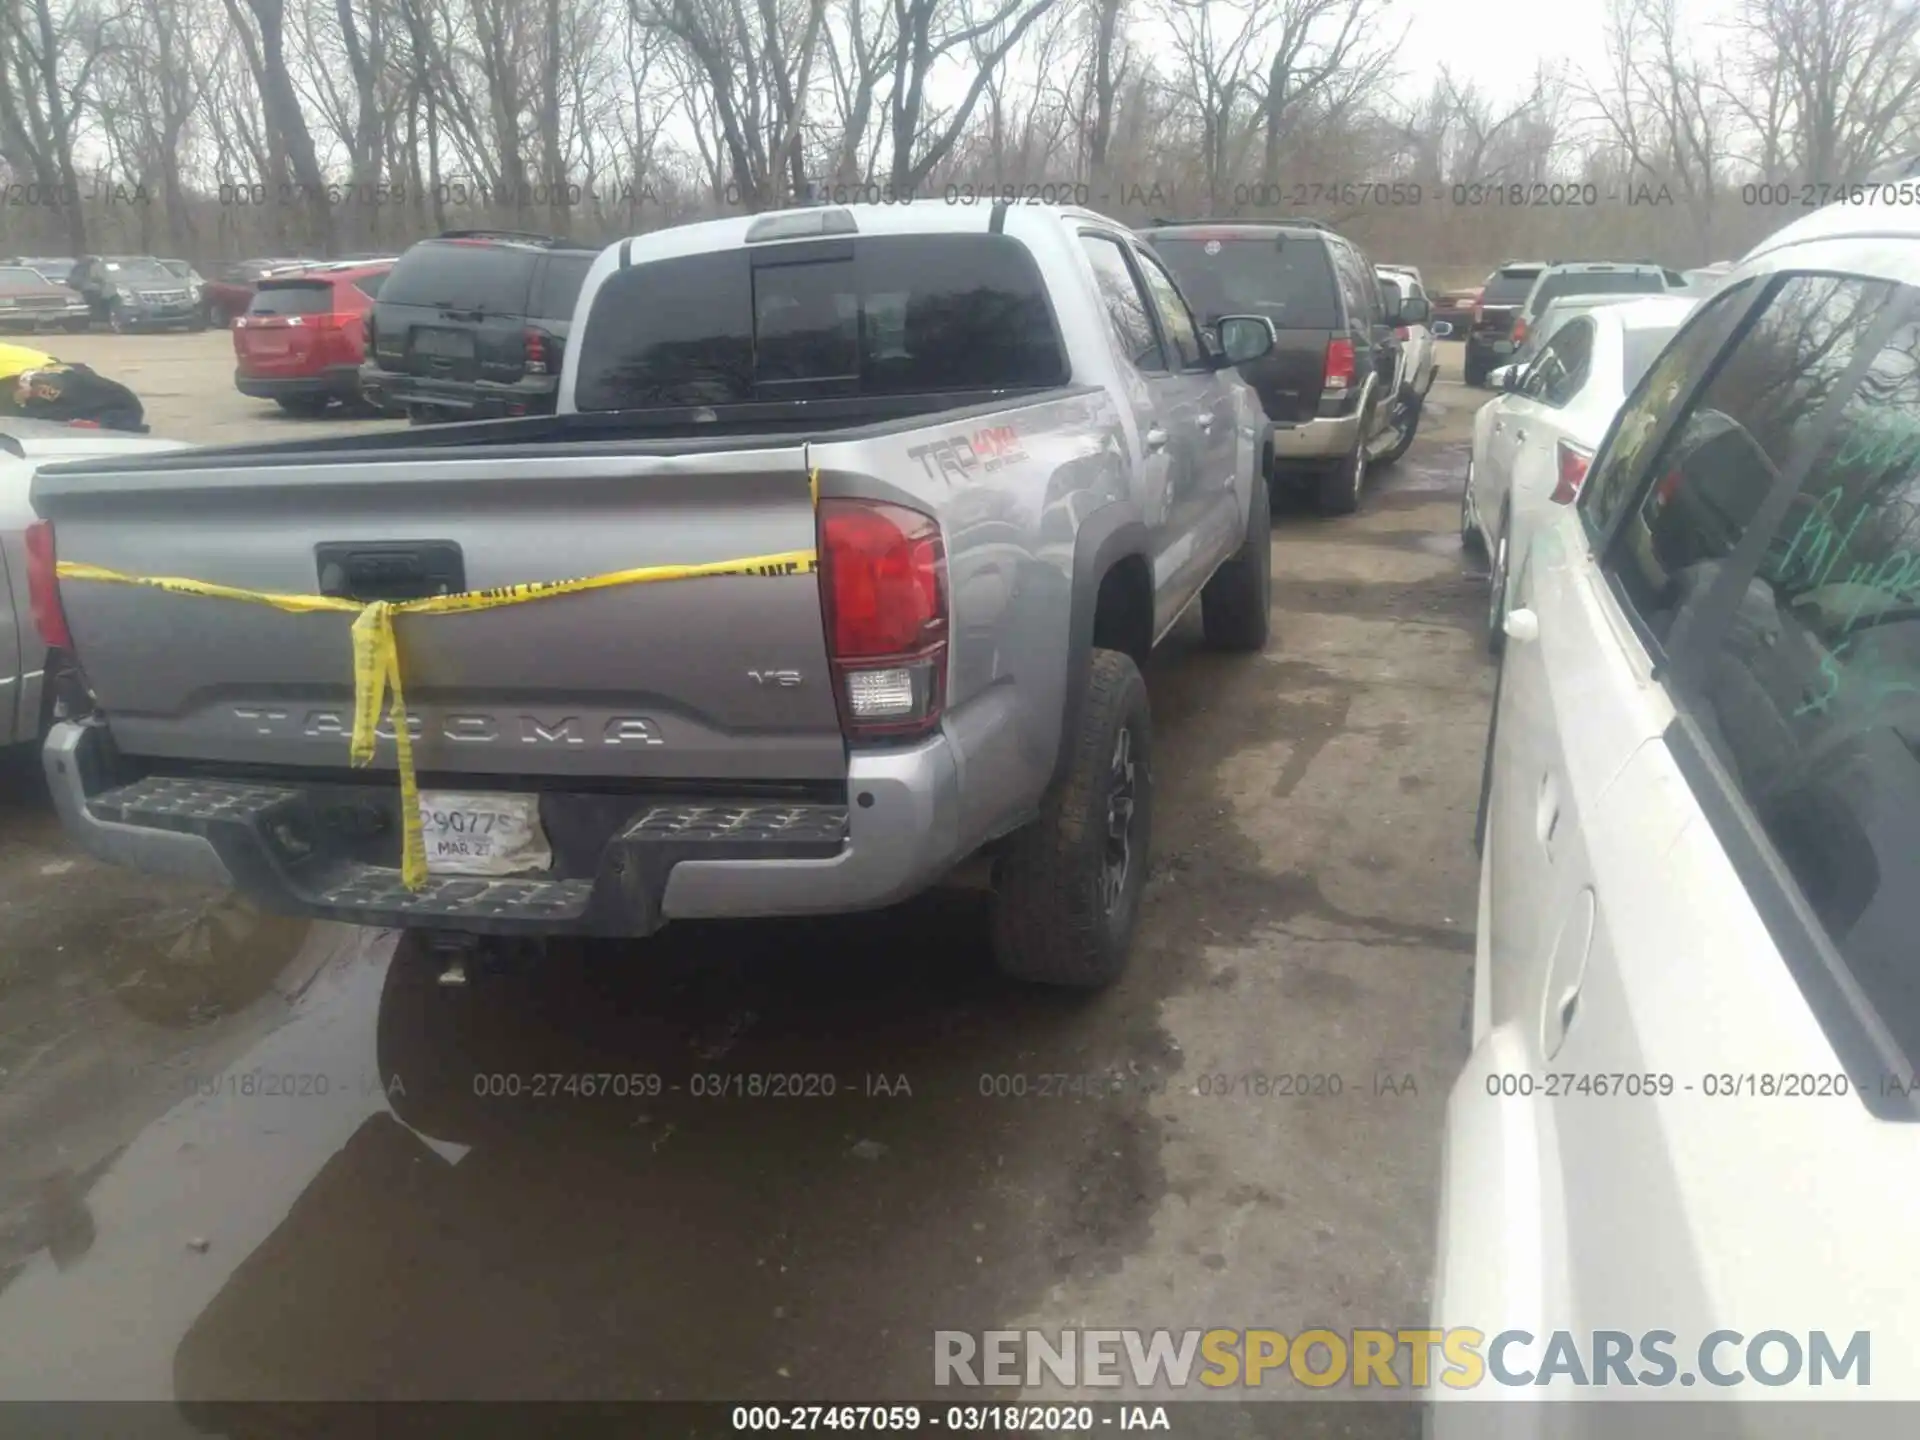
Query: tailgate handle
[[390, 569]]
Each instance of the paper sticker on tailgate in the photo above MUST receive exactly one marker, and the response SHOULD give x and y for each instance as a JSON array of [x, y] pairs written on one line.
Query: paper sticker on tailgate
[[483, 834]]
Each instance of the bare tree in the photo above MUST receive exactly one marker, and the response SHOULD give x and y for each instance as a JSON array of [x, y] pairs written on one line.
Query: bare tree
[[1215, 42]]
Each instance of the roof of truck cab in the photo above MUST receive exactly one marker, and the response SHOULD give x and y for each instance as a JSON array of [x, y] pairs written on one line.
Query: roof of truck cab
[[921, 217]]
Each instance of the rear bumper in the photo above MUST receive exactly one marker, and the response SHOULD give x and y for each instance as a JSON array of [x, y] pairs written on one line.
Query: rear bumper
[[335, 380], [477, 399], [1316, 439], [667, 858]]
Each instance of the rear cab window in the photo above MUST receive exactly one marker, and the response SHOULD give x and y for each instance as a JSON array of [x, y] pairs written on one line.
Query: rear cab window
[[1288, 279], [880, 315], [463, 275], [1794, 642]]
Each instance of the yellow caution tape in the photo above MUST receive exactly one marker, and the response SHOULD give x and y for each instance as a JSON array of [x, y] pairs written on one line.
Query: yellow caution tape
[[376, 649]]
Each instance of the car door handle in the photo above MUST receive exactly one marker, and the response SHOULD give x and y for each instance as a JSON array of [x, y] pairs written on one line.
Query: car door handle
[[1156, 438]]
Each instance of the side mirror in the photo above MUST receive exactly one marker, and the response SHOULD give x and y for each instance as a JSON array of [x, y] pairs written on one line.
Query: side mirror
[[1442, 329], [1245, 337], [1415, 311]]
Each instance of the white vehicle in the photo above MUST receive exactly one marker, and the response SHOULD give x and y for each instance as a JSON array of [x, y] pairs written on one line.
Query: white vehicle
[[25, 445], [1421, 359], [1695, 1024], [1532, 444]]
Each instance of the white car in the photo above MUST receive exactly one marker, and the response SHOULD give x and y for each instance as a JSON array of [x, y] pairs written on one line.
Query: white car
[[1533, 442], [1691, 1105], [1421, 360], [25, 445]]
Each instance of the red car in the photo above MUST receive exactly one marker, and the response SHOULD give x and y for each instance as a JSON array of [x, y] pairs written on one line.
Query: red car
[[303, 337], [1456, 308]]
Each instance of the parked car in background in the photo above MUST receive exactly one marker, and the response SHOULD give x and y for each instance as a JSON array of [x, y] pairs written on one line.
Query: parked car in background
[[1551, 319], [473, 324], [195, 282], [949, 680], [1532, 444], [30, 301], [55, 267], [1331, 387], [303, 338], [1707, 278], [1490, 339], [1422, 360], [230, 290], [1700, 877], [1456, 308], [24, 660], [136, 292], [1569, 279]]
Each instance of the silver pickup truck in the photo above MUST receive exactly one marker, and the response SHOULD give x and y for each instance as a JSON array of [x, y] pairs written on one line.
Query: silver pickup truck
[[1010, 459]]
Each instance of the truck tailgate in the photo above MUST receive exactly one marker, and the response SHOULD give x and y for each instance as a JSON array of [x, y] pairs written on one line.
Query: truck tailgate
[[708, 679]]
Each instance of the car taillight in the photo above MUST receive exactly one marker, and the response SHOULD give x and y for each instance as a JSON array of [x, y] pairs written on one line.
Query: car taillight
[[1573, 472], [43, 587], [1339, 374], [536, 353], [883, 588], [1519, 331]]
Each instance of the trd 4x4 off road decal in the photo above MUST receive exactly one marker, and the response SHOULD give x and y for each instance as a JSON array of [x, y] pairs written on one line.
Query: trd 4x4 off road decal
[[959, 456]]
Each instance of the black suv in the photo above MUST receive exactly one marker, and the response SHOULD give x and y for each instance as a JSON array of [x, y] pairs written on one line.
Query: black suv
[[1490, 339], [1332, 387], [137, 292], [473, 324]]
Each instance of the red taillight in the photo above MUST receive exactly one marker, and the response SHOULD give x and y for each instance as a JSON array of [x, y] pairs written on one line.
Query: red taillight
[[43, 587], [536, 353], [336, 320], [1573, 472], [1519, 331], [883, 586], [1339, 374]]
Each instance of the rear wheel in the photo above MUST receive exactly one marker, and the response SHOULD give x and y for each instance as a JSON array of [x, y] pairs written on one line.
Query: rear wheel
[[304, 405], [1236, 607], [1067, 888], [80, 325], [1340, 487], [1407, 426], [1476, 372], [218, 317]]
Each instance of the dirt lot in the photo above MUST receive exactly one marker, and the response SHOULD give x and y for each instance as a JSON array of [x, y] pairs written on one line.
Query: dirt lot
[[165, 1230]]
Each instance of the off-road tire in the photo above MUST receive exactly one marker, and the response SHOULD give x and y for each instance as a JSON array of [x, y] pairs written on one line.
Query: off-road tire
[[1236, 607], [1050, 923]]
